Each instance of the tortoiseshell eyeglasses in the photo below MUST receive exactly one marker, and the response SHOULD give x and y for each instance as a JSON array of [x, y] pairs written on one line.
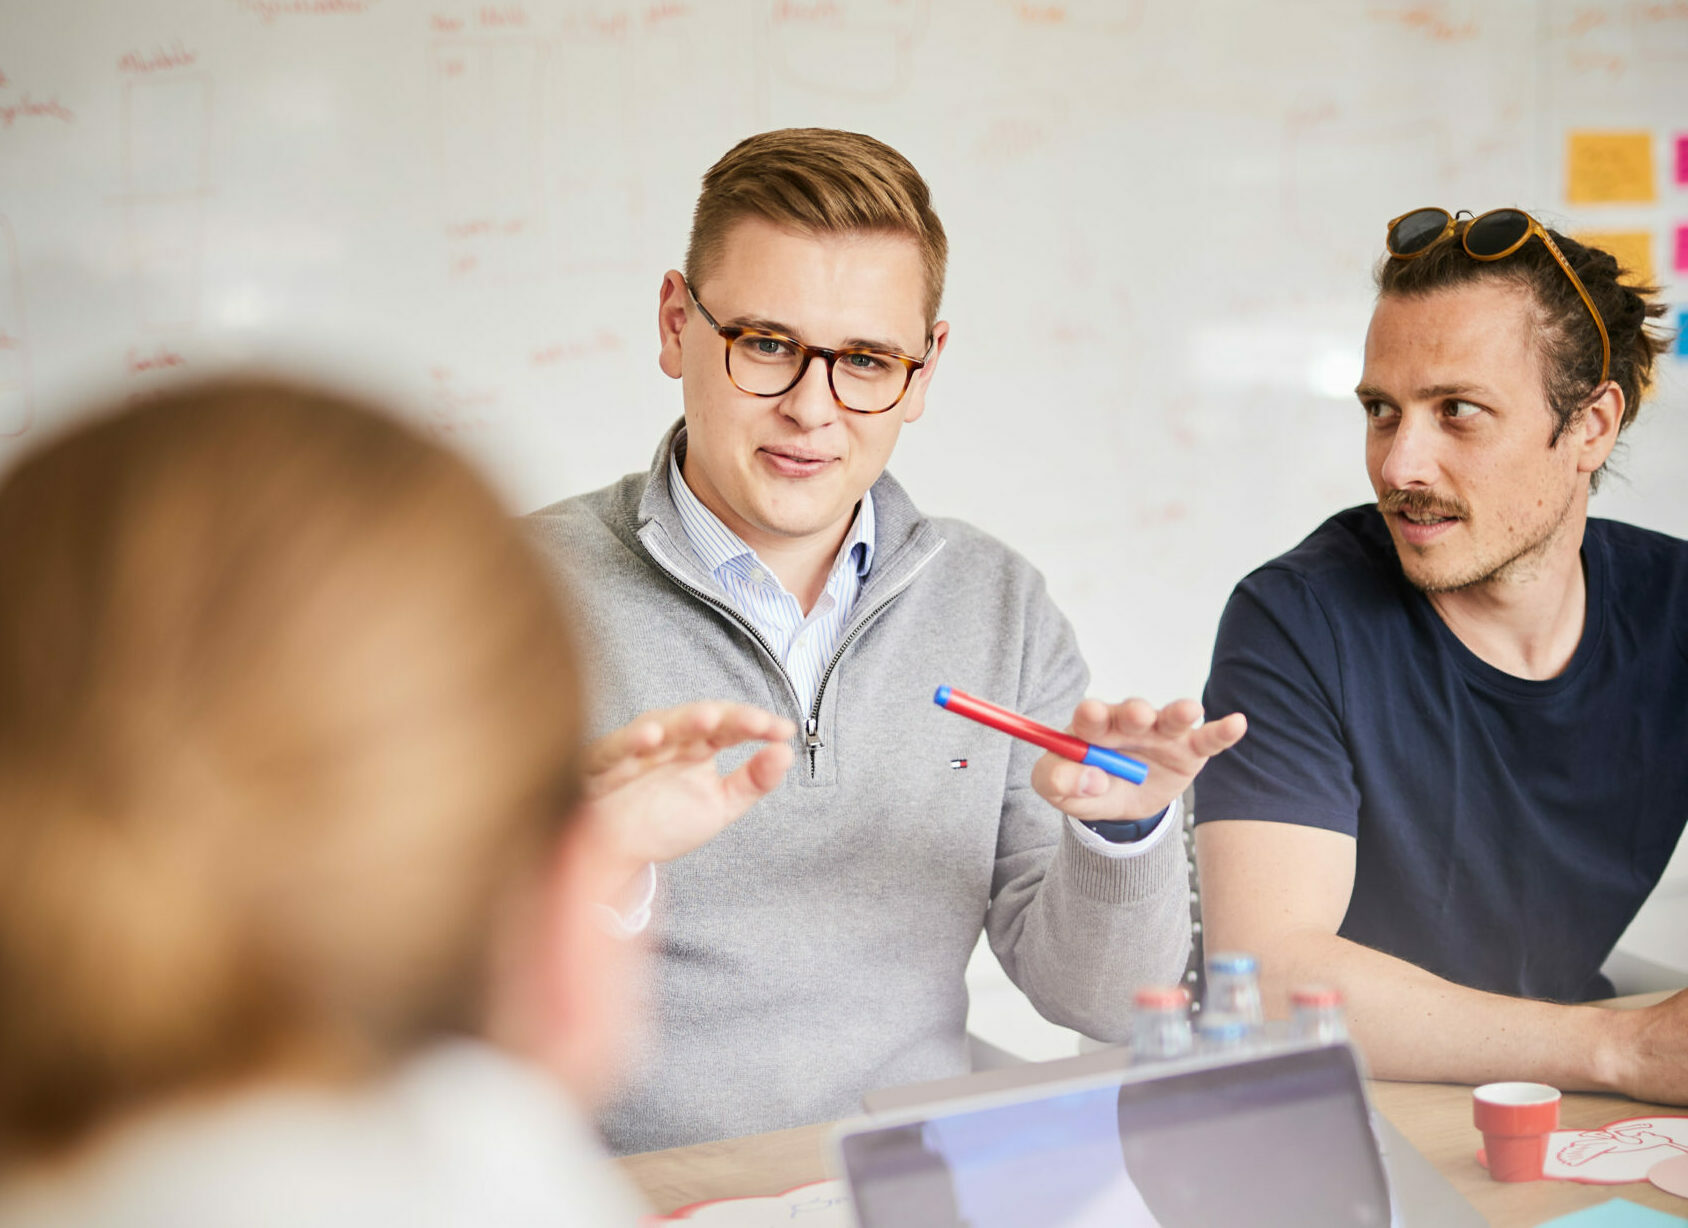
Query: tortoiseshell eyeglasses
[[769, 364]]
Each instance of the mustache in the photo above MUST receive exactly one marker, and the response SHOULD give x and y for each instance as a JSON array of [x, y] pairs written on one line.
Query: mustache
[[1422, 503]]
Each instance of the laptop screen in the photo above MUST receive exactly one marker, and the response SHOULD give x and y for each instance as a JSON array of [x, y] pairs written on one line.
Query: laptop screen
[[1282, 1139]]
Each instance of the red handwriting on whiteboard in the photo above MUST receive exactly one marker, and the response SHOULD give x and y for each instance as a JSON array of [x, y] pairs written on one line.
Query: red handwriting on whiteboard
[[659, 13], [605, 342], [269, 10], [161, 358], [4, 80], [1598, 61], [502, 17], [796, 10], [446, 25], [1585, 20], [479, 227], [32, 108], [1041, 14], [452, 66], [1428, 19], [9, 342], [456, 410], [605, 27], [173, 56]]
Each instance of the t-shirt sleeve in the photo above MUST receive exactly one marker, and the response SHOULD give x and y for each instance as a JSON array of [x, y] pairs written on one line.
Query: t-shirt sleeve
[[1276, 661]]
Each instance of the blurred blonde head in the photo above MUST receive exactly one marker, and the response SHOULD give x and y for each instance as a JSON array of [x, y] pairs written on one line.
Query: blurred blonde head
[[287, 711]]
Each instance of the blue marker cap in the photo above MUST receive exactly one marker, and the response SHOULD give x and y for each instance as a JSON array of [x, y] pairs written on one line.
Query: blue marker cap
[[942, 697], [1116, 764]]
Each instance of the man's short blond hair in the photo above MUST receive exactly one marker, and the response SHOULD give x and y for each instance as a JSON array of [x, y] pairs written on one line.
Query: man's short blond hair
[[287, 705], [818, 181]]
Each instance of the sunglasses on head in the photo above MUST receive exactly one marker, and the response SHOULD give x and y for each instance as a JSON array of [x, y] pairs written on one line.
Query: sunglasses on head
[[1494, 235]]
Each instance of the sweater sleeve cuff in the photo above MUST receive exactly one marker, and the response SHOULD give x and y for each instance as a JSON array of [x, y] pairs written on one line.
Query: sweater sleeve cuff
[[1171, 817], [1147, 868]]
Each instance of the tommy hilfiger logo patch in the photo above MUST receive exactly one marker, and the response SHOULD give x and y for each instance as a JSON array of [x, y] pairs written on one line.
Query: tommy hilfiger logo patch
[[958, 764]]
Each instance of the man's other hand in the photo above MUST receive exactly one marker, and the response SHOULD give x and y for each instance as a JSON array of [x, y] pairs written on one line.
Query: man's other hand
[[1647, 1050], [654, 782]]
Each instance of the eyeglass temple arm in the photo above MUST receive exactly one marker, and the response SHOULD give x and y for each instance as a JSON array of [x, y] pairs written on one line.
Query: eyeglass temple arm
[[692, 294]]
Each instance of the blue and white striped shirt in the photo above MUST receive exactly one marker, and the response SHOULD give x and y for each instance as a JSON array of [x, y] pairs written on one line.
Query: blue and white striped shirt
[[802, 644]]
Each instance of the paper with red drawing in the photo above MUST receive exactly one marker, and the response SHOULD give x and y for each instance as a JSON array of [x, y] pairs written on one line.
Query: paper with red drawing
[[820, 1204], [1616, 1153]]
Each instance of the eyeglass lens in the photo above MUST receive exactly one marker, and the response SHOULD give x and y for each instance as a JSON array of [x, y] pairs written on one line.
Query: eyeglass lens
[[1496, 232], [1417, 231], [864, 381]]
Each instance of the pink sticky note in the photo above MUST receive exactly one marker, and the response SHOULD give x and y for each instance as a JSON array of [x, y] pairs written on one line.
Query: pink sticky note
[[1682, 249], [1682, 159]]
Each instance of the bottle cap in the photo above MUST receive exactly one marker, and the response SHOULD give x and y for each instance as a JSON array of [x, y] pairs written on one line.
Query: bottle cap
[[1232, 963], [1316, 995], [1217, 1025], [1161, 997]]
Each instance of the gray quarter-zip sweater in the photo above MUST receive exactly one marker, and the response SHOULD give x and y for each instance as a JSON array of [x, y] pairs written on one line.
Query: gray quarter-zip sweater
[[815, 950]]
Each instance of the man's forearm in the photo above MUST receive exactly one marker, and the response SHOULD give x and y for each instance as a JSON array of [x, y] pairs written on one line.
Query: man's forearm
[[1411, 1024]]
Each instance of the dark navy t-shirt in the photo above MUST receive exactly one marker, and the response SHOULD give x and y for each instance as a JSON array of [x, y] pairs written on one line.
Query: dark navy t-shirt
[[1507, 830]]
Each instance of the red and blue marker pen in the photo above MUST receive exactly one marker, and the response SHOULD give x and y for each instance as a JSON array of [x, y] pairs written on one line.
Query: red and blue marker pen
[[1063, 744]]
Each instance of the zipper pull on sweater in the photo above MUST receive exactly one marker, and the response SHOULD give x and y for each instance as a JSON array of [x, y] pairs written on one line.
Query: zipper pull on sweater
[[812, 740]]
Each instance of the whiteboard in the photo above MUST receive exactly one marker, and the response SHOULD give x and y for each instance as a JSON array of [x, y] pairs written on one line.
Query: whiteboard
[[1163, 218]]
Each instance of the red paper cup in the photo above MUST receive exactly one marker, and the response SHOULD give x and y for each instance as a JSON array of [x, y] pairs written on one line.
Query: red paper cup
[[1516, 1119]]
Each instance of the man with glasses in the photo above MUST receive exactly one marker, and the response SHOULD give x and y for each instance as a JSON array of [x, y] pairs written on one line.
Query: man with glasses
[[1468, 754], [814, 948]]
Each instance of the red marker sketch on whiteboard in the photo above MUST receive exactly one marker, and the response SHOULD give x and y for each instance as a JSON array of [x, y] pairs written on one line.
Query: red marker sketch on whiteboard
[[157, 358], [656, 14], [1434, 21], [160, 59], [166, 172], [1088, 17], [501, 17], [30, 107], [599, 345], [17, 396], [598, 203], [268, 10], [858, 49], [457, 411], [487, 140]]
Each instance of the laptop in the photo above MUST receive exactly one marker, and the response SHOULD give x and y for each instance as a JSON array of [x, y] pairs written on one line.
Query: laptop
[[1284, 1136]]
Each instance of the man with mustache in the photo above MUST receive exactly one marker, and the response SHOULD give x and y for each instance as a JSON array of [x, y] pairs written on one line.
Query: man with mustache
[[1467, 762], [814, 948]]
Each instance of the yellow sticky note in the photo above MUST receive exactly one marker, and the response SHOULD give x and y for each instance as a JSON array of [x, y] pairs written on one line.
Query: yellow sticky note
[[1632, 248], [1604, 168]]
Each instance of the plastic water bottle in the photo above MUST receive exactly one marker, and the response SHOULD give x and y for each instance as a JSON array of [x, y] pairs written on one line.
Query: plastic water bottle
[[1318, 1015], [1223, 1033], [1160, 1023], [1233, 987]]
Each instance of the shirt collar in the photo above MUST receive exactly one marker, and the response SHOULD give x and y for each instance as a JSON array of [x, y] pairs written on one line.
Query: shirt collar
[[716, 545]]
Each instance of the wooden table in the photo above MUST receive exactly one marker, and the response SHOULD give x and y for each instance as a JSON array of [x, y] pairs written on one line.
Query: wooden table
[[1436, 1117]]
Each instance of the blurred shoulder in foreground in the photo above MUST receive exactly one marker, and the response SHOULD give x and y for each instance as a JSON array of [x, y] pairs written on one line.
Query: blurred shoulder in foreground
[[290, 774]]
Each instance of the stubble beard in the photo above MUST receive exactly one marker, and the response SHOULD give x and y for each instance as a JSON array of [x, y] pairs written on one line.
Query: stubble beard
[[1520, 564]]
